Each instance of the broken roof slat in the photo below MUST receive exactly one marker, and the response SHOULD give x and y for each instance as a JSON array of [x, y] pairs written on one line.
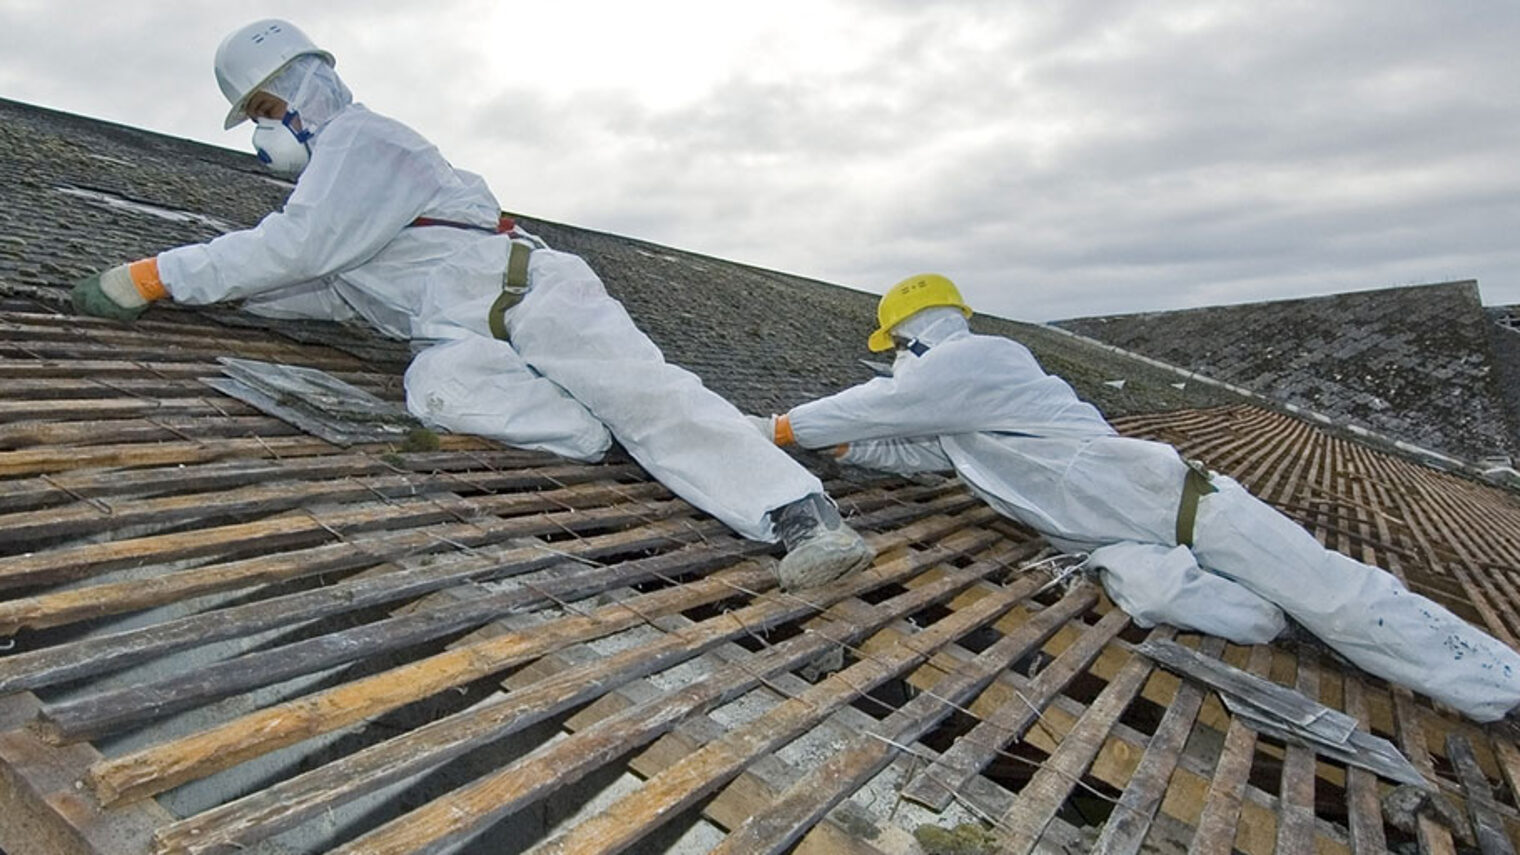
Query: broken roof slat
[[1216, 827], [456, 815], [1363, 806], [130, 706], [1125, 831], [1025, 821], [1278, 701], [1487, 825], [1295, 824], [1433, 836], [154, 770], [797, 809], [937, 784]]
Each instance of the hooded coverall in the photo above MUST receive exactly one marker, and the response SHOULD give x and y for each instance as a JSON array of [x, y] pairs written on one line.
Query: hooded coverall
[[576, 372], [1022, 440]]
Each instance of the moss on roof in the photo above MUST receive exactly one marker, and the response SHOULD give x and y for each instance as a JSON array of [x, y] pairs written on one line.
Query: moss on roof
[[1416, 363], [81, 195]]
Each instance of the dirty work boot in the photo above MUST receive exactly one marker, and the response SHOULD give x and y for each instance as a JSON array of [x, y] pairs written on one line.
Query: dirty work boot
[[819, 546]]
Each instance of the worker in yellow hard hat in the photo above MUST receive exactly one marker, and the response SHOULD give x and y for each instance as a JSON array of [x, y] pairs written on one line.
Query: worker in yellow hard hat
[[1174, 542], [906, 299]]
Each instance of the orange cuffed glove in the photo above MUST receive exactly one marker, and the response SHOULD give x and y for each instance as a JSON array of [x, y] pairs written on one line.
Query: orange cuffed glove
[[121, 293]]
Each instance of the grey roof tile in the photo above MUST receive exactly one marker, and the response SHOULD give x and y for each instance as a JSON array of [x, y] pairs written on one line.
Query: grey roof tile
[[1413, 362]]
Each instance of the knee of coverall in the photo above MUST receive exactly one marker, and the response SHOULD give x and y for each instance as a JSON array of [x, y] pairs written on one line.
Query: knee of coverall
[[480, 386], [1154, 583], [1243, 538]]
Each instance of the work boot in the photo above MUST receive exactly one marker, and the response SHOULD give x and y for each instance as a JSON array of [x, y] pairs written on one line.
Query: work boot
[[819, 546], [1507, 727]]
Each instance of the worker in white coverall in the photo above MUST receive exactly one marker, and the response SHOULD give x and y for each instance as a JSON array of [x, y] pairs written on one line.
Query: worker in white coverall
[[524, 345], [1176, 544]]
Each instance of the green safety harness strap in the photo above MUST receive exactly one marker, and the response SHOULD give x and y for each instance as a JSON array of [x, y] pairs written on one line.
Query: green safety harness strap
[[514, 283], [1195, 485]]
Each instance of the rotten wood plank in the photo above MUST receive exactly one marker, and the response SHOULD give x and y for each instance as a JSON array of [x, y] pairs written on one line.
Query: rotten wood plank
[[130, 706], [1022, 826], [1488, 826], [937, 784], [1363, 803], [1295, 826], [156, 768], [1125, 831], [457, 815], [1215, 833]]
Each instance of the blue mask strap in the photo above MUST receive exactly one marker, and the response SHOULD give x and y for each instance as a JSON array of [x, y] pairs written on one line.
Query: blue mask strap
[[302, 135]]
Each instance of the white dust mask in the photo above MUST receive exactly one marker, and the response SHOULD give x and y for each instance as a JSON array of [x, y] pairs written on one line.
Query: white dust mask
[[280, 147]]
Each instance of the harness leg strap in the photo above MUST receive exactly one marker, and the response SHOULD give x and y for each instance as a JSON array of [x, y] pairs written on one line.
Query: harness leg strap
[[1195, 485], [514, 283]]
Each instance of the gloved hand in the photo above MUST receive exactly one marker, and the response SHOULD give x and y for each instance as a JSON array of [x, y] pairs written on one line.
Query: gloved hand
[[765, 424], [116, 294]]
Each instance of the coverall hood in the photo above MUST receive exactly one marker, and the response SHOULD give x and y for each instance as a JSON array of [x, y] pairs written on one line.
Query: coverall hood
[[932, 325], [312, 89]]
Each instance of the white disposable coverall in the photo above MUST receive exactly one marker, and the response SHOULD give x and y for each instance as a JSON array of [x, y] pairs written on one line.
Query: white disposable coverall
[[577, 371], [1023, 441]]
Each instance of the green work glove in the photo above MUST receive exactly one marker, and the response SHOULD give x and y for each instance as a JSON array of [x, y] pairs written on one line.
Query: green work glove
[[109, 294]]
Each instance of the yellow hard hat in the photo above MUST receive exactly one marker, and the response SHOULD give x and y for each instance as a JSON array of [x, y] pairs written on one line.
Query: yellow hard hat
[[909, 296]]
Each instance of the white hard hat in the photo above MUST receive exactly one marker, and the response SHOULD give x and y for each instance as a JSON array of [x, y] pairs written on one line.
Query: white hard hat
[[247, 59]]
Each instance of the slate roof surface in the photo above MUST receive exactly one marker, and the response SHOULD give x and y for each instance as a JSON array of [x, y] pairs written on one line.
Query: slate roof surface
[[230, 635], [1417, 363], [765, 340]]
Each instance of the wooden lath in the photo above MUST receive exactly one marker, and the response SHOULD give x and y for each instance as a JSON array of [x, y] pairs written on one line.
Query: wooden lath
[[144, 519]]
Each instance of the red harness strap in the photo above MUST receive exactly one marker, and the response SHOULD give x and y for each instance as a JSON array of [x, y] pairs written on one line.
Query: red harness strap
[[503, 226]]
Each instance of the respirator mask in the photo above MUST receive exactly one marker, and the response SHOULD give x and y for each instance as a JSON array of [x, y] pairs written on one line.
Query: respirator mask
[[280, 146]]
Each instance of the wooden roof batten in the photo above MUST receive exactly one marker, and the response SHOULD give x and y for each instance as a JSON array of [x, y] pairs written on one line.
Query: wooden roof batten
[[395, 578]]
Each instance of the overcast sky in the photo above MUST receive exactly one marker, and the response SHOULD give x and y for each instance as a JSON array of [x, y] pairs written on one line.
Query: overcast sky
[[1057, 159]]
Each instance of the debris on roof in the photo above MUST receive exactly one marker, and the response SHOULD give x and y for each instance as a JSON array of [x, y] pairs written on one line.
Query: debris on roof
[[313, 400]]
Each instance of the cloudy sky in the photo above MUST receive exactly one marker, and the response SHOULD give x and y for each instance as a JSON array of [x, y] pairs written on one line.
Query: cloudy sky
[[1057, 159]]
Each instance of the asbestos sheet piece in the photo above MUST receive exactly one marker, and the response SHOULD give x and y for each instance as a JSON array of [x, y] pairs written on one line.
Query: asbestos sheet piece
[[1361, 749], [1273, 701], [312, 400]]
